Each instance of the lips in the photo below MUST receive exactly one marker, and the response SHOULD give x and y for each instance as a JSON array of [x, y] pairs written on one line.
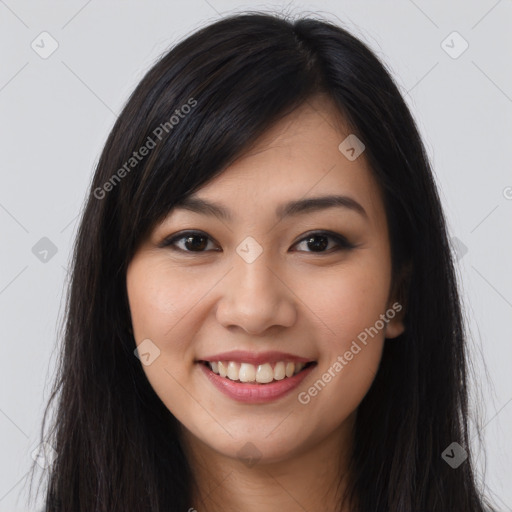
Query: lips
[[256, 377], [253, 392], [241, 356]]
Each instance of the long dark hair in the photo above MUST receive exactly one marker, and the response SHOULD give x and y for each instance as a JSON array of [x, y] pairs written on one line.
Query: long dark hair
[[117, 446]]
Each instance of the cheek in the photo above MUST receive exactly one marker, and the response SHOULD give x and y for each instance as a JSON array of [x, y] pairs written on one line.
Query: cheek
[[165, 306], [158, 313], [151, 304], [159, 299], [347, 300]]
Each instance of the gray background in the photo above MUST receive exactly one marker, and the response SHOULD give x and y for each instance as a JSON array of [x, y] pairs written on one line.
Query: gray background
[[55, 114]]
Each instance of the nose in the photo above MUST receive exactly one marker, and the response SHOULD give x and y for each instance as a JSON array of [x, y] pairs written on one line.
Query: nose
[[255, 297]]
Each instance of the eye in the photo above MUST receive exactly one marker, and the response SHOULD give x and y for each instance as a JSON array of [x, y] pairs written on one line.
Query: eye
[[319, 240], [196, 241]]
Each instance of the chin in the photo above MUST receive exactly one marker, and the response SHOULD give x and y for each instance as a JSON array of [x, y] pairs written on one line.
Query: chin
[[258, 449]]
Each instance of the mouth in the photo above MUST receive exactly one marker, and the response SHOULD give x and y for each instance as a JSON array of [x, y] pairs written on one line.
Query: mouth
[[263, 374], [261, 383]]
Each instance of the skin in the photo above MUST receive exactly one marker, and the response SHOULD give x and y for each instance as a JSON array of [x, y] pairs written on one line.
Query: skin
[[291, 299]]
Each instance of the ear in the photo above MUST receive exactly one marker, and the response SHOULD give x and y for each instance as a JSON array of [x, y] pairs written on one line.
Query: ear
[[397, 304], [395, 326]]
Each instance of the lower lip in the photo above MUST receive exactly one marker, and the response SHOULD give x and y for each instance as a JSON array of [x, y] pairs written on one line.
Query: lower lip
[[255, 393]]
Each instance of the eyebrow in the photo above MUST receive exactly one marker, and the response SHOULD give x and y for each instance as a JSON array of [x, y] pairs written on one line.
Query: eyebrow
[[292, 208]]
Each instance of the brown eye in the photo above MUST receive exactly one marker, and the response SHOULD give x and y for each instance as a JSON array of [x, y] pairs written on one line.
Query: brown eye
[[190, 241], [319, 241]]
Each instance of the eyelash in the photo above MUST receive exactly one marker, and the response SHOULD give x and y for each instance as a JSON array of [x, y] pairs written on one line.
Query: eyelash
[[342, 242]]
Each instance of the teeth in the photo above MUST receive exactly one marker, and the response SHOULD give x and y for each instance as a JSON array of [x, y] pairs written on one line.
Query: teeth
[[247, 373], [279, 371], [233, 370], [263, 373], [223, 371]]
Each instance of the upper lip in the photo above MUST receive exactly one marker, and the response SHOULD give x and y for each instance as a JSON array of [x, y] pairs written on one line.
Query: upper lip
[[242, 356]]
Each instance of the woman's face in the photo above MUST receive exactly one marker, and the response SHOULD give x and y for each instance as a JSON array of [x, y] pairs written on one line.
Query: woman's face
[[265, 282]]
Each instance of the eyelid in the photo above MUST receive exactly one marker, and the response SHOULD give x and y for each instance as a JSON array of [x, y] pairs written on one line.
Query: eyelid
[[342, 242], [170, 240]]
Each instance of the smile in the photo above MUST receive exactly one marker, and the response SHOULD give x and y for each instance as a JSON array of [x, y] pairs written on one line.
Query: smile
[[262, 373], [255, 384]]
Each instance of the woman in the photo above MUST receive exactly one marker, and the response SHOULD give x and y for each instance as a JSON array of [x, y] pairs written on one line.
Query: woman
[[263, 312]]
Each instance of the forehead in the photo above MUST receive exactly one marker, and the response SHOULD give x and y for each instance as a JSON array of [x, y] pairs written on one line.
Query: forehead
[[297, 158]]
